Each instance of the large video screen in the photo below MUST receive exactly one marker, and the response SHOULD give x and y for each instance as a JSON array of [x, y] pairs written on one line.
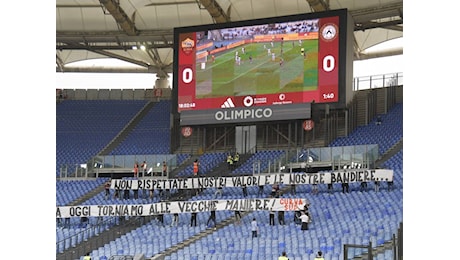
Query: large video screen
[[260, 63]]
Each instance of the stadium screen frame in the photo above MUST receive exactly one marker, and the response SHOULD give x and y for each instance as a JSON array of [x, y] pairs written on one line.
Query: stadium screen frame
[[201, 63]]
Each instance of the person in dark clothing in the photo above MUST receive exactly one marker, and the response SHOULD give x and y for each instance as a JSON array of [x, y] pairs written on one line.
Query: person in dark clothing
[[297, 217], [107, 190], [160, 218], [212, 217], [363, 186], [136, 194], [261, 190], [193, 219], [390, 185], [238, 216], [175, 220], [271, 218], [281, 217], [345, 187], [245, 190], [293, 191], [275, 189], [330, 187], [126, 194], [376, 186]]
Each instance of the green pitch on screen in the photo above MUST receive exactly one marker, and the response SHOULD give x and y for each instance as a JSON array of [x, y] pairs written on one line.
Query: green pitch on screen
[[262, 75]]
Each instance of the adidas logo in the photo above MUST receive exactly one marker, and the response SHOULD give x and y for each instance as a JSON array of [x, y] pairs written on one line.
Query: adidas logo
[[228, 103]]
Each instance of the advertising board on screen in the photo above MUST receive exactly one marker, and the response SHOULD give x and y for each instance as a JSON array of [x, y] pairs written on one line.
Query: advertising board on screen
[[257, 70]]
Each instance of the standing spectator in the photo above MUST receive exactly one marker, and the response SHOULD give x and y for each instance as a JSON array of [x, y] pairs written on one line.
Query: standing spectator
[[363, 186], [390, 185], [330, 187], [212, 217], [193, 219], [229, 161], [107, 189], [293, 191], [145, 193], [126, 194], [196, 166], [162, 194], [297, 214], [281, 217], [67, 222], [175, 220], [136, 193], [151, 192], [236, 159], [306, 206], [314, 189], [283, 256], [345, 187], [136, 169], [254, 227], [379, 120], [271, 217], [304, 219], [261, 190], [160, 218], [376, 186], [238, 217], [116, 194], [165, 169], [319, 256], [84, 221], [219, 191], [144, 168], [245, 190], [275, 188]]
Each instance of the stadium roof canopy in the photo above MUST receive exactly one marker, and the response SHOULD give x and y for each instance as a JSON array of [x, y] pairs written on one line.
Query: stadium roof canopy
[[95, 29]]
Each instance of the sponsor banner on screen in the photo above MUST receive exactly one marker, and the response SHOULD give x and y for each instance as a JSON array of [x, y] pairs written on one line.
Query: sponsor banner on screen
[[171, 207], [231, 114], [345, 176]]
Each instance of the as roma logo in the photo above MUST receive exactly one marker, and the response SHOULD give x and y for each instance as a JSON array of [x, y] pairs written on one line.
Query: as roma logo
[[187, 46], [186, 131]]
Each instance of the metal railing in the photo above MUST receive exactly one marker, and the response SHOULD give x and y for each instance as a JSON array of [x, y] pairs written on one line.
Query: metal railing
[[378, 81], [395, 245]]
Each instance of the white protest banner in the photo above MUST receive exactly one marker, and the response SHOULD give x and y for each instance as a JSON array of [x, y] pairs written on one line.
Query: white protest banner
[[275, 204], [342, 176]]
